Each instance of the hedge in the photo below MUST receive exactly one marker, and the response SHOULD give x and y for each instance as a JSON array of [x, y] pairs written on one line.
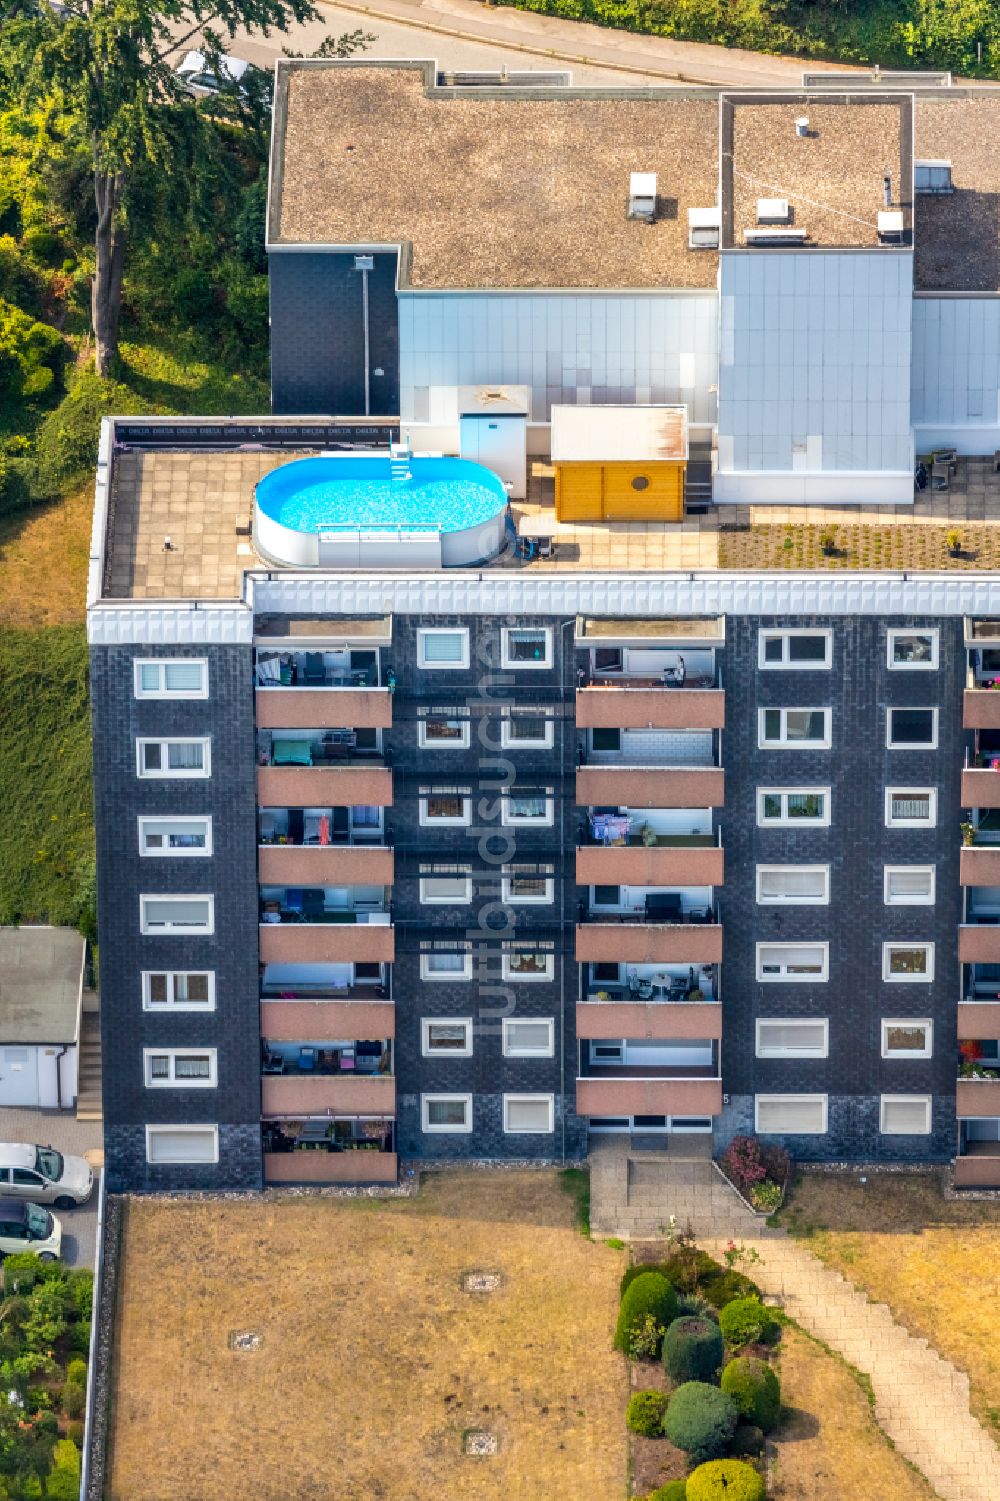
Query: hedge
[[701, 1420], [744, 1322], [725, 1480], [649, 1296], [722, 1290], [645, 1413], [755, 1389], [692, 1350]]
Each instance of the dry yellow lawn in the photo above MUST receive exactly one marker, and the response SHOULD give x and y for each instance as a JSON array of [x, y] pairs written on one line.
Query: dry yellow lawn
[[934, 1263], [374, 1361], [828, 1444], [43, 563]]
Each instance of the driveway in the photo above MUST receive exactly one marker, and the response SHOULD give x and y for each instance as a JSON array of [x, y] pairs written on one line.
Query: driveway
[[62, 1130]]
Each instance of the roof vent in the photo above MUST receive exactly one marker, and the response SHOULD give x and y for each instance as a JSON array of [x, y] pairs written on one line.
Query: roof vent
[[704, 225], [776, 235], [642, 196], [890, 226], [773, 211], [802, 125]]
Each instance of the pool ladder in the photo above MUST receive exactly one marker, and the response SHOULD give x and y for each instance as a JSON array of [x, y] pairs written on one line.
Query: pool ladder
[[399, 463]]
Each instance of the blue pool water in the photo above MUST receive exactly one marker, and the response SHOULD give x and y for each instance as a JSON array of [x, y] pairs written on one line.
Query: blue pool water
[[324, 494]]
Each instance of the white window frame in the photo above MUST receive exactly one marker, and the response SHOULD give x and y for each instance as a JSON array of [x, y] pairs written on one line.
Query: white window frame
[[762, 1051], [785, 822], [769, 1099], [448, 977], [148, 1054], [908, 745], [901, 1056], [510, 900], [516, 665], [427, 1051], [514, 821], [426, 1100], [902, 943], [766, 634], [911, 823], [509, 741], [147, 826], [463, 721], [171, 1004], [520, 1098], [905, 1099], [462, 822], [423, 633], [176, 896], [446, 901], [894, 632], [162, 663], [786, 979], [512, 1051], [784, 743], [888, 871], [182, 773], [516, 977], [822, 900], [181, 1130]]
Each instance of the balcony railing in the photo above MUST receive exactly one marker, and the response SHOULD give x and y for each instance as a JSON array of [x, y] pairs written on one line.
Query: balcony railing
[[345, 1056], [302, 826], [317, 669], [649, 1020], [327, 748], [645, 1095]]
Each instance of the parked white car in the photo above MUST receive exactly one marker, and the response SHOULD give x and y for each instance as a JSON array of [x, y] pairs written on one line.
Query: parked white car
[[26, 1227], [44, 1175], [197, 76]]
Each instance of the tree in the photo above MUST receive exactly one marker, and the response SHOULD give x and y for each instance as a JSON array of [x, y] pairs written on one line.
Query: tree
[[110, 65]]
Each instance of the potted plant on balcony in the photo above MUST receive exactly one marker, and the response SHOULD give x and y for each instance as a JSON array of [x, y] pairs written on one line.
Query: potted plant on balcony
[[968, 833], [953, 541], [828, 542]]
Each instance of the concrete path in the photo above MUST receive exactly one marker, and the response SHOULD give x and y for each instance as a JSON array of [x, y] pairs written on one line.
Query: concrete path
[[634, 1191]]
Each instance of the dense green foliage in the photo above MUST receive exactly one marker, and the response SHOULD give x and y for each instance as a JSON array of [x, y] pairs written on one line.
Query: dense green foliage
[[674, 1490], [46, 830], [894, 33], [744, 1321], [692, 1350], [755, 1389], [722, 1290], [648, 1297], [701, 1420], [725, 1480], [645, 1413], [686, 1268]]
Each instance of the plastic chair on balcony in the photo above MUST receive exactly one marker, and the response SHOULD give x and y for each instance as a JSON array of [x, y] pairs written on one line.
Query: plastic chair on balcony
[[293, 903], [307, 1060]]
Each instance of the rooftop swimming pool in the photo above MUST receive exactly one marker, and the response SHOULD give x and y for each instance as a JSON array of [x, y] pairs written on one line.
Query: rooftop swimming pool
[[358, 510]]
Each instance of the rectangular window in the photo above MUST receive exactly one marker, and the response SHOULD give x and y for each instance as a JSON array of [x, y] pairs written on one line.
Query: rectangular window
[[525, 1114], [911, 729], [173, 758], [177, 914], [802, 962], [180, 1068], [793, 807], [450, 806], [905, 963], [912, 651], [446, 1113], [454, 891], [531, 809], [526, 647], [532, 1037], [932, 177], [171, 677], [793, 885], [175, 836], [443, 729], [784, 649], [178, 990], [794, 729], [790, 1114], [527, 887], [441, 647], [905, 1115], [527, 729], [910, 807], [793, 1037], [449, 1035], [528, 964], [445, 966], [903, 1038], [908, 885], [168, 1145]]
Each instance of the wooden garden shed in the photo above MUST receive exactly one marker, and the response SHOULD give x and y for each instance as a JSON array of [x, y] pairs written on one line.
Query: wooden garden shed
[[619, 463]]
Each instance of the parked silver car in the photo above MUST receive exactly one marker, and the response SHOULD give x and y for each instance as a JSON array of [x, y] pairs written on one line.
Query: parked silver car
[[26, 1227], [44, 1175]]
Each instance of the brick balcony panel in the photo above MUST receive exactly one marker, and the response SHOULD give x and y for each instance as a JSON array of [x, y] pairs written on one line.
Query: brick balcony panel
[[334, 1021], [651, 708], [651, 786], [981, 709], [313, 1094], [648, 1096], [649, 943], [978, 945], [980, 788], [324, 708], [649, 1019], [324, 786], [978, 1020], [324, 865], [976, 1099], [977, 1172], [330, 1167], [326, 943], [653, 865], [979, 865]]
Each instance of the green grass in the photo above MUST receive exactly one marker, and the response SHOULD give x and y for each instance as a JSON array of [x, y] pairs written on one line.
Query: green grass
[[576, 1181], [46, 815]]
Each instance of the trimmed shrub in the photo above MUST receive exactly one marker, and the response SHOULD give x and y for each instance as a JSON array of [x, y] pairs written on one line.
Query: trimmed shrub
[[692, 1350], [640, 1269], [725, 1480], [744, 1322], [77, 1371], [701, 1420], [645, 1413], [722, 1290], [674, 1490], [755, 1389], [649, 1296], [20, 1272], [694, 1306]]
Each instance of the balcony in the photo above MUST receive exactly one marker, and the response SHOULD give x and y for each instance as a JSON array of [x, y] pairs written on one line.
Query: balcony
[[321, 708], [978, 1099], [632, 938], [354, 1020], [694, 859], [346, 1150], [979, 865], [308, 747], [649, 985], [981, 701], [360, 938], [312, 786], [979, 1018], [651, 1019], [980, 787], [315, 1094], [319, 865], [651, 786], [362, 826], [643, 705], [665, 1094], [978, 1166], [320, 1167]]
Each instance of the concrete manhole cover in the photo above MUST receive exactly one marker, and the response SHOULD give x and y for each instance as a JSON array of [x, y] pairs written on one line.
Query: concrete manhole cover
[[245, 1339], [481, 1282], [479, 1443]]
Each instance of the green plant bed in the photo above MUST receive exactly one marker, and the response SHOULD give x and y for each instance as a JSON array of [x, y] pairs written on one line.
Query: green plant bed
[[692, 1350], [755, 1389], [647, 1307], [645, 1413], [725, 1480], [701, 1420], [746, 1321], [730, 1285]]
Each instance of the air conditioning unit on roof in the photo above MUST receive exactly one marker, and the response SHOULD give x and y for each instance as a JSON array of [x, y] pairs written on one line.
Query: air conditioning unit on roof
[[642, 196], [704, 225], [773, 211]]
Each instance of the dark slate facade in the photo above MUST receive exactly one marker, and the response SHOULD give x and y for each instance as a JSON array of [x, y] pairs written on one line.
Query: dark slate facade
[[230, 873], [318, 335]]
